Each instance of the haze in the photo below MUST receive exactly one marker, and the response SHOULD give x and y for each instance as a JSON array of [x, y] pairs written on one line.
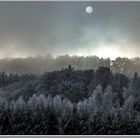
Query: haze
[[59, 28]]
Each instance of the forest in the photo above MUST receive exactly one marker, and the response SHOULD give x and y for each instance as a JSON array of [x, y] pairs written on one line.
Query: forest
[[94, 100], [48, 63]]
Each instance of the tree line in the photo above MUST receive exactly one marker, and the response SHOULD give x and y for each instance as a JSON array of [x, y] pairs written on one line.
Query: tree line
[[39, 64]]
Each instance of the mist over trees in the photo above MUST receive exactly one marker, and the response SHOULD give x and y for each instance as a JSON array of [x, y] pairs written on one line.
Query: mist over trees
[[70, 101], [39, 64]]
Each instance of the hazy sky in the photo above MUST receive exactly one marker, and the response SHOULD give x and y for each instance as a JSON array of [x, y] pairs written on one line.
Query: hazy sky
[[39, 28]]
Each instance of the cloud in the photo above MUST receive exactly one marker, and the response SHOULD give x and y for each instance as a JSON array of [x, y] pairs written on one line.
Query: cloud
[[39, 28]]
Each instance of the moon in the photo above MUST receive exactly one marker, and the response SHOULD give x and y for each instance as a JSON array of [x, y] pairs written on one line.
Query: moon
[[89, 9]]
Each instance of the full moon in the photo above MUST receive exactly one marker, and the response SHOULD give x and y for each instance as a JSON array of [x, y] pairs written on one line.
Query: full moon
[[89, 9]]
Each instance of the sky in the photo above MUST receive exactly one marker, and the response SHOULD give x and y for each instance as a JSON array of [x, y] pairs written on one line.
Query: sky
[[59, 28]]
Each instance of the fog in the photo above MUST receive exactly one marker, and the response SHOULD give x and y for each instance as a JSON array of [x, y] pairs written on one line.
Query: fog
[[28, 29]]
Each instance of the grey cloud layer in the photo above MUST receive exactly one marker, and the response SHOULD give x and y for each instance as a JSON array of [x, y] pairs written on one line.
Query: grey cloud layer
[[32, 28]]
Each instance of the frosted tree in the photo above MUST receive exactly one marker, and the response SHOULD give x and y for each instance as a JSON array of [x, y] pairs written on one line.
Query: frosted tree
[[11, 106], [42, 102], [129, 91], [116, 100], [82, 107], [57, 103], [134, 90], [128, 109], [67, 107], [108, 100], [66, 114], [33, 102], [129, 103], [91, 105], [97, 98], [49, 102], [19, 104]]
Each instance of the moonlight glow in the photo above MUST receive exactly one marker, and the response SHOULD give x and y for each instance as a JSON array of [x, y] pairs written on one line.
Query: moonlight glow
[[110, 51], [89, 9]]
